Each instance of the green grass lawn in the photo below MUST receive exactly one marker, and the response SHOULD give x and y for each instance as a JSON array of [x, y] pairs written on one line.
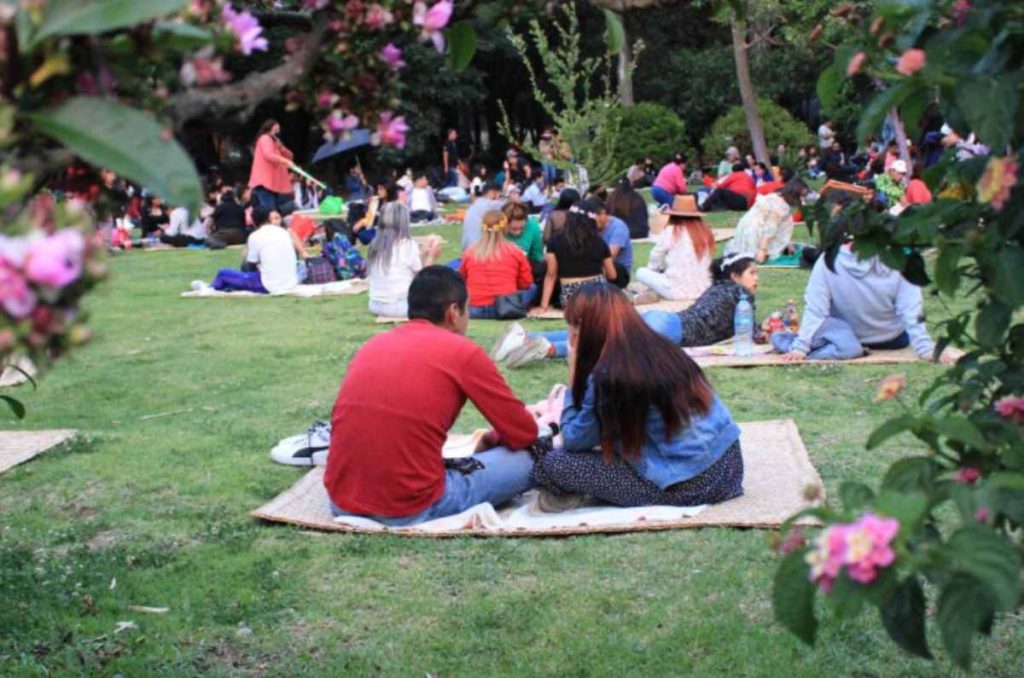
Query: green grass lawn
[[180, 401]]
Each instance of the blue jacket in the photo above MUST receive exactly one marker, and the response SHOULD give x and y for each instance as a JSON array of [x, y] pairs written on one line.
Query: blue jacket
[[663, 462]]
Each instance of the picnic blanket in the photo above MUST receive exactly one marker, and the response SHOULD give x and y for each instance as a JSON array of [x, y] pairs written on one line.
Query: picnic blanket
[[331, 289], [722, 355], [556, 314], [777, 472], [17, 447]]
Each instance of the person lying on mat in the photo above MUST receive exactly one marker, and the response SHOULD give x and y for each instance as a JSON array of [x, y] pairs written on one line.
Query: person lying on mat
[[862, 304], [402, 392], [766, 230], [272, 251], [709, 321], [680, 261], [663, 436], [393, 260]]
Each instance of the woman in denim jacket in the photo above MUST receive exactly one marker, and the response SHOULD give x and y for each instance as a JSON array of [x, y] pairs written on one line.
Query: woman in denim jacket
[[641, 425]]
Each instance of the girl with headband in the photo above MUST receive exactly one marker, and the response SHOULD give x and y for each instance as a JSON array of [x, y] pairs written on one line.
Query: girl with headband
[[495, 267]]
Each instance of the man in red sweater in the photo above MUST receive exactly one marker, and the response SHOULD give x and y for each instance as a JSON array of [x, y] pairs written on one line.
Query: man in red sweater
[[735, 191], [404, 389]]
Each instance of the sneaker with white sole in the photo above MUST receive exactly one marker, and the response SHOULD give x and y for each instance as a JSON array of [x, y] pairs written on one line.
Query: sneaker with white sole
[[512, 338], [199, 285], [306, 449], [532, 350]]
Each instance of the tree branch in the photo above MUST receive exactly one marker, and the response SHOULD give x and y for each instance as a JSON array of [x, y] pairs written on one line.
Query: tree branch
[[241, 98]]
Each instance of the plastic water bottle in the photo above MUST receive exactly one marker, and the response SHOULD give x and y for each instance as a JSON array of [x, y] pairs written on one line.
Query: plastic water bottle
[[743, 323]]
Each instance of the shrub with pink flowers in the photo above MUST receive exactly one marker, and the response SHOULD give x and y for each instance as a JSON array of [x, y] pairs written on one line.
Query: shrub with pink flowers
[[880, 545]]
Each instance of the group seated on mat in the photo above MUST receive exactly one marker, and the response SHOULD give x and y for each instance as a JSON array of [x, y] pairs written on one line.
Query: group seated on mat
[[274, 261], [675, 442]]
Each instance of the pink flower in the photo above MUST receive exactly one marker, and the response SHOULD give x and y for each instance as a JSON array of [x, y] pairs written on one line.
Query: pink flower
[[891, 387], [339, 124], [391, 131], [981, 515], [911, 62], [15, 296], [326, 99], [967, 475], [862, 547], [377, 17], [204, 69], [853, 68], [433, 21], [392, 56], [959, 11], [315, 4], [1012, 408], [56, 260], [246, 28], [998, 180]]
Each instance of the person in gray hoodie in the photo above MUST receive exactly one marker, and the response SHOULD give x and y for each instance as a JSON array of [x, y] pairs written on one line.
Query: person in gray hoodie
[[862, 305]]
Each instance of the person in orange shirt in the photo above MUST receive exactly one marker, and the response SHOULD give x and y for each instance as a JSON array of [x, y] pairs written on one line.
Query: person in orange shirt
[[269, 178]]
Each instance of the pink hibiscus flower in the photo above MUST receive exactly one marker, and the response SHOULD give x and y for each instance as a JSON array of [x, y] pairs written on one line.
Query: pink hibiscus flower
[[433, 21]]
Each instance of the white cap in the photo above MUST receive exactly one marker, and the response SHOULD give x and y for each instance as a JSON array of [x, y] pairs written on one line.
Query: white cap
[[945, 130], [899, 166]]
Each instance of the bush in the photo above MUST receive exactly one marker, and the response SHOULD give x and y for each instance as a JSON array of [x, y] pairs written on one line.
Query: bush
[[779, 128], [647, 129]]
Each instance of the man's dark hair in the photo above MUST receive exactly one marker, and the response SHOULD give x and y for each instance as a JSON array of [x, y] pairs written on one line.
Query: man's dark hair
[[491, 187], [433, 290], [594, 205], [787, 175], [260, 216], [679, 159], [419, 174]]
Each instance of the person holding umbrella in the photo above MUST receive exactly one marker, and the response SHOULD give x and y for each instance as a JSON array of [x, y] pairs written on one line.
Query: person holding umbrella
[[269, 178]]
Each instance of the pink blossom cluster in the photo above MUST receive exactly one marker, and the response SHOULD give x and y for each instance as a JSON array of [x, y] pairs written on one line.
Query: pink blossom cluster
[[38, 265], [246, 28], [1011, 408], [391, 130], [862, 547]]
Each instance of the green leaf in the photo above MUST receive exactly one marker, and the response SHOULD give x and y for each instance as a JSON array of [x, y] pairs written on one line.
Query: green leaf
[[912, 473], [888, 430], [915, 270], [906, 507], [988, 557], [1009, 275], [876, 110], [461, 38], [855, 495], [947, 268], [793, 597], [830, 83], [91, 17], [964, 608], [991, 323], [903, 617], [17, 407], [846, 597], [181, 36], [990, 105], [960, 428], [614, 31], [129, 142]]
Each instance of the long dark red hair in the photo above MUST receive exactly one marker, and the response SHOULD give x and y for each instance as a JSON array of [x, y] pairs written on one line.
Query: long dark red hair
[[634, 369], [700, 235]]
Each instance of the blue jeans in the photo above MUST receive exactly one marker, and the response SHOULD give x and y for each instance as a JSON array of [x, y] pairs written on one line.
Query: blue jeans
[[834, 340], [665, 323], [550, 173], [268, 200], [491, 312], [901, 340], [230, 280], [505, 475], [661, 196]]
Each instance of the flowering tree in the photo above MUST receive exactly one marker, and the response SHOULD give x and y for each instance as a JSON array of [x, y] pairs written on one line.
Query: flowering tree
[[951, 517], [110, 81]]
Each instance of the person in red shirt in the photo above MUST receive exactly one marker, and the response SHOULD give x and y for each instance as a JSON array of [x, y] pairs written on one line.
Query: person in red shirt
[[494, 267], [403, 391], [735, 191]]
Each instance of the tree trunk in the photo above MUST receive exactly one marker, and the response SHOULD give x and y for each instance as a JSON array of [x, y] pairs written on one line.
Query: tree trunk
[[625, 72], [740, 48], [901, 141]]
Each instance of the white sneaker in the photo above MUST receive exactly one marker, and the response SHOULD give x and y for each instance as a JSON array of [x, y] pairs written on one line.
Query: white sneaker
[[199, 285], [512, 338], [532, 350], [306, 449]]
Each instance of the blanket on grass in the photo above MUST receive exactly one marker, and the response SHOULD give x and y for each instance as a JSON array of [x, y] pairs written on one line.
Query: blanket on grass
[[331, 289], [17, 447]]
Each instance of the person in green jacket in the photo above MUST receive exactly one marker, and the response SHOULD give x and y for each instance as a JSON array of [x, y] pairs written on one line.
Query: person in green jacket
[[524, 230]]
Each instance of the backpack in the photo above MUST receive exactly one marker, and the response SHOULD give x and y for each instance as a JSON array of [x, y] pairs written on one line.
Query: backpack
[[345, 258]]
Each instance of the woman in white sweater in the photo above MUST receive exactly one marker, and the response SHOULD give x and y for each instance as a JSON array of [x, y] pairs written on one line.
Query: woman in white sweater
[[680, 261], [393, 260]]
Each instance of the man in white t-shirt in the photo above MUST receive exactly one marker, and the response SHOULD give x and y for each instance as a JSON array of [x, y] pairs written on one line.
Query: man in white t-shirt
[[825, 135], [271, 249]]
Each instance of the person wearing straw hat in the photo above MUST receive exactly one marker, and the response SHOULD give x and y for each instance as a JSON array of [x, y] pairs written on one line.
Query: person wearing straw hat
[[681, 258]]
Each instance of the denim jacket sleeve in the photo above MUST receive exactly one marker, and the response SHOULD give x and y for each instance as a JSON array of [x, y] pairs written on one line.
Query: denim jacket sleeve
[[581, 431]]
